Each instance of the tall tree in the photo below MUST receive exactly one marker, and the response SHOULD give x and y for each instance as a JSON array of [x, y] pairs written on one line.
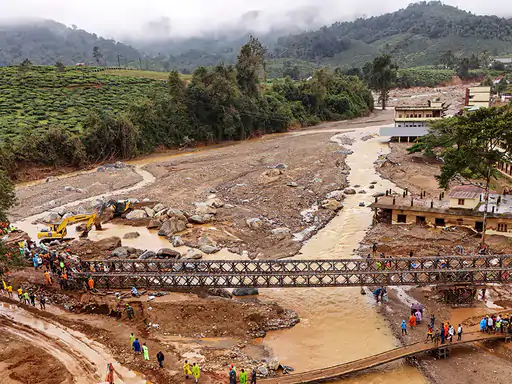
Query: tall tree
[[7, 194], [470, 146], [383, 74], [249, 62], [96, 53], [59, 66]]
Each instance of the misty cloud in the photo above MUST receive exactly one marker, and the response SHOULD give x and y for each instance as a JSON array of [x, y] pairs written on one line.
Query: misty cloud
[[173, 18]]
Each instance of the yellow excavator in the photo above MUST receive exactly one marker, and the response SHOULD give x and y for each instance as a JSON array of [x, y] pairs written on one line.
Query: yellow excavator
[[59, 230]]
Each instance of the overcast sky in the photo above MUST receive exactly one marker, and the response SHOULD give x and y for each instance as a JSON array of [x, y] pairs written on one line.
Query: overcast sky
[[117, 18]]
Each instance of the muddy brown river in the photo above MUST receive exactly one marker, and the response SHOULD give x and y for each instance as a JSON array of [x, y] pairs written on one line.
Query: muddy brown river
[[337, 324]]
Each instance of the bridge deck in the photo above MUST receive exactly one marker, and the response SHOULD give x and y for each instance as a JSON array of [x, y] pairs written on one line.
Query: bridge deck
[[374, 361], [297, 273]]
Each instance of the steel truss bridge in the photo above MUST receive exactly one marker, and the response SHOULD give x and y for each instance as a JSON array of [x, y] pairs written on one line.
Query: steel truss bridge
[[159, 273]]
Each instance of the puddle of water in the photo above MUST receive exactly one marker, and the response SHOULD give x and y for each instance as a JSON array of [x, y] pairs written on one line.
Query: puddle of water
[[339, 324]]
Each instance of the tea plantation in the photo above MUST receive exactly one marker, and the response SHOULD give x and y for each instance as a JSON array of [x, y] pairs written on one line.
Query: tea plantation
[[41, 96]]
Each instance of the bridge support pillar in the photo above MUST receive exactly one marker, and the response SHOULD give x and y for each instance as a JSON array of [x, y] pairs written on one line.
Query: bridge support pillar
[[443, 352]]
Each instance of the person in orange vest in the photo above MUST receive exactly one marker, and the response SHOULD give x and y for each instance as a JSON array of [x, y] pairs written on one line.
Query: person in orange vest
[[48, 278], [90, 283], [412, 321], [110, 374]]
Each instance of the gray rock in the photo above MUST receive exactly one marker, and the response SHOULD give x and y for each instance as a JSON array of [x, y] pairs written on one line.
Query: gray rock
[[52, 217], [204, 209], [292, 184], [280, 233], [245, 291], [136, 215], [361, 204], [379, 194], [154, 224], [99, 169], [159, 207], [150, 212], [274, 364], [281, 166], [172, 226], [317, 180], [193, 253], [61, 211], [209, 249], [131, 235], [69, 188], [176, 241], [344, 152], [201, 219], [120, 252], [214, 203], [254, 223], [371, 186], [165, 253], [205, 240], [338, 195], [54, 243], [356, 186], [373, 182], [161, 213], [171, 212], [362, 191], [349, 191], [147, 255]]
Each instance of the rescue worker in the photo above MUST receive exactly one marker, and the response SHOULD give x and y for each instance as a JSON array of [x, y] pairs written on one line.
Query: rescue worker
[[145, 351], [186, 369], [20, 294], [132, 339], [135, 293], [48, 278], [136, 345], [33, 298], [253, 376], [90, 283], [196, 372], [129, 311], [26, 298], [160, 358], [412, 321], [110, 374], [9, 290], [243, 377], [42, 302], [35, 261], [232, 376]]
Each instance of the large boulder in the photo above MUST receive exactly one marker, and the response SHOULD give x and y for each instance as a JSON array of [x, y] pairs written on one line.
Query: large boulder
[[245, 291], [274, 364], [150, 212], [205, 240], [331, 205], [350, 191], [165, 253], [173, 225], [254, 223], [61, 211], [154, 224], [52, 217], [121, 252], [193, 254], [281, 233], [176, 241], [109, 243], [159, 207], [131, 235], [136, 215], [147, 255], [201, 219], [338, 195], [209, 249], [204, 209], [215, 203]]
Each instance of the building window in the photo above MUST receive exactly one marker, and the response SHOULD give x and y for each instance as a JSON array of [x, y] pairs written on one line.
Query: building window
[[461, 202], [420, 220], [400, 116], [502, 227], [407, 116], [429, 115], [401, 219], [440, 222]]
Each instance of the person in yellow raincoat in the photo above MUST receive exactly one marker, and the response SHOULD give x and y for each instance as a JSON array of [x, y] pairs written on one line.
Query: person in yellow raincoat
[[196, 371], [186, 369]]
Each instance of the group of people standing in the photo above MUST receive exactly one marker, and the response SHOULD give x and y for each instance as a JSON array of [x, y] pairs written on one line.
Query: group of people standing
[[25, 297], [496, 324], [243, 377]]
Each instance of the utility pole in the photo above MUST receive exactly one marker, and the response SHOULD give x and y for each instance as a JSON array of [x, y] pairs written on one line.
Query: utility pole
[[140, 63], [118, 61]]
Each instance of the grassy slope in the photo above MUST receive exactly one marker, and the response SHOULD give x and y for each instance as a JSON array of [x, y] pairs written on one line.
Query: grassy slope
[[44, 97]]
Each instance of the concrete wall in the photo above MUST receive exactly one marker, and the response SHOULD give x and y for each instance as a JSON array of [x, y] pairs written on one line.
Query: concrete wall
[[450, 220], [468, 203]]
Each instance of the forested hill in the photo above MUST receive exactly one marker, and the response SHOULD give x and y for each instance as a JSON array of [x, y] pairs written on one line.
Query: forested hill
[[46, 42], [416, 35]]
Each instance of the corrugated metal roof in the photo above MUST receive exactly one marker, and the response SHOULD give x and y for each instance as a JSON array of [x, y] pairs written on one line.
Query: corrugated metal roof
[[465, 192], [403, 131]]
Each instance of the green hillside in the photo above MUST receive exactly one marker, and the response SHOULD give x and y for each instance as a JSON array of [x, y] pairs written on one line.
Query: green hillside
[[43, 96], [415, 36]]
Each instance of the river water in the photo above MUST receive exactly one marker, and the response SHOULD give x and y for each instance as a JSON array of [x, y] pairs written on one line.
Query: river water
[[337, 324]]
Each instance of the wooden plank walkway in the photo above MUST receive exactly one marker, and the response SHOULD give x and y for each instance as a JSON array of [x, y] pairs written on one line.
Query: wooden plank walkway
[[375, 360]]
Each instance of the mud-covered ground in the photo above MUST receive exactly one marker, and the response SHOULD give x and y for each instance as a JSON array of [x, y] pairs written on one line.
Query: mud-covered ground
[[34, 198]]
